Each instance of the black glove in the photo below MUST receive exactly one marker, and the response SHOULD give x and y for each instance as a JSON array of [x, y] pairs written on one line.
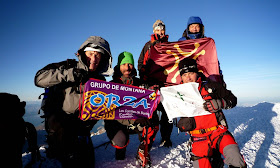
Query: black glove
[[214, 105], [186, 124], [80, 75]]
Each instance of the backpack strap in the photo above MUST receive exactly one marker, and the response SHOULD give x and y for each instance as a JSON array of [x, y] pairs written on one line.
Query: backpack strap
[[147, 55], [203, 85]]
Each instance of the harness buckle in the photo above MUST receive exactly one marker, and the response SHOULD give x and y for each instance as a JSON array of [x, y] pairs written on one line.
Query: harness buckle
[[221, 126], [202, 131]]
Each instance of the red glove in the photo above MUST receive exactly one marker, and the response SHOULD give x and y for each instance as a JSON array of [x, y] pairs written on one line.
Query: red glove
[[214, 105]]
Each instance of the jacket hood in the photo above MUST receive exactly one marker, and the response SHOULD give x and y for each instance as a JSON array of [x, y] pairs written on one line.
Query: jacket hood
[[155, 37], [193, 20], [117, 73], [105, 66]]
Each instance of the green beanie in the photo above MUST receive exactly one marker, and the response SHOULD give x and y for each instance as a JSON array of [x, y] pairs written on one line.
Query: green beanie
[[125, 57]]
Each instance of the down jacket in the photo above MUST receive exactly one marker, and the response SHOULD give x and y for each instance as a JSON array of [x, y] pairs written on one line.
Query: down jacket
[[63, 75]]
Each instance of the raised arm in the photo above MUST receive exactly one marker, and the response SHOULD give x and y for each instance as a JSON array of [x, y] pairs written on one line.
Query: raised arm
[[53, 74]]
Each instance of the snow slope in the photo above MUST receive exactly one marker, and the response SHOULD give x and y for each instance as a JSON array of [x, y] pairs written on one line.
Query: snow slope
[[256, 129]]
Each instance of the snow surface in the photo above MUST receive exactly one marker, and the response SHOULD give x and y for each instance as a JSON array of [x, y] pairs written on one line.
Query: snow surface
[[256, 130]]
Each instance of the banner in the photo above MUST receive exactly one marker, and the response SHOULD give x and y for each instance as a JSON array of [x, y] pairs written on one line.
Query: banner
[[107, 100], [182, 100], [165, 58]]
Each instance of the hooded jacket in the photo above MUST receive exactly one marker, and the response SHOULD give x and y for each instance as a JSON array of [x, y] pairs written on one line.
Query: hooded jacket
[[193, 20], [62, 73], [209, 90], [105, 66]]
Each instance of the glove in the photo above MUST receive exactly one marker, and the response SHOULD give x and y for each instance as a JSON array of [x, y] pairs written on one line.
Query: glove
[[139, 124], [214, 105], [186, 124], [80, 75]]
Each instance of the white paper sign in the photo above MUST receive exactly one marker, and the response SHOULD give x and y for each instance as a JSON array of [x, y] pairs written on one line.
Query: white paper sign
[[182, 100]]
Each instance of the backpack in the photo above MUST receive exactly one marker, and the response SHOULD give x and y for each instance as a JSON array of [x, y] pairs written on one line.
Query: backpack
[[52, 100], [54, 96]]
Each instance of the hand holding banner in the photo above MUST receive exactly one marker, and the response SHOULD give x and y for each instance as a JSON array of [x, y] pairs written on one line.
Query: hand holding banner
[[107, 100]]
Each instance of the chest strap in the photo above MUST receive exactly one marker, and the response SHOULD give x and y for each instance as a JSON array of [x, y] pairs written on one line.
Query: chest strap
[[203, 131]]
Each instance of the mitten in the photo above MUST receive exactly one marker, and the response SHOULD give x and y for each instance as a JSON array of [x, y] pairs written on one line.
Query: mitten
[[186, 124], [80, 75], [214, 105]]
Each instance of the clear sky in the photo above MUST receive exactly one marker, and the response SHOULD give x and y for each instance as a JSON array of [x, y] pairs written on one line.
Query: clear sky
[[35, 33]]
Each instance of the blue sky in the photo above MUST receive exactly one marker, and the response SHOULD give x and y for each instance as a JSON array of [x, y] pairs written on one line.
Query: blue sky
[[36, 33]]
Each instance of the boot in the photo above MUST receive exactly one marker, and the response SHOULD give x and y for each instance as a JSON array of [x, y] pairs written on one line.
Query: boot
[[144, 162]]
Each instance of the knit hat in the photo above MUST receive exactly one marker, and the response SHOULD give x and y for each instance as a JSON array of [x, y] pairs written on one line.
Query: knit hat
[[125, 57], [158, 25], [187, 65]]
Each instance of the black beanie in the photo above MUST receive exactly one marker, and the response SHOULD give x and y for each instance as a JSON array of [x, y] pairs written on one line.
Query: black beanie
[[187, 65]]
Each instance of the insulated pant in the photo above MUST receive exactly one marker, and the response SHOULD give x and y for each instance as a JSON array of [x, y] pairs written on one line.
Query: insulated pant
[[119, 134], [223, 141], [152, 131], [147, 139], [165, 126], [69, 140]]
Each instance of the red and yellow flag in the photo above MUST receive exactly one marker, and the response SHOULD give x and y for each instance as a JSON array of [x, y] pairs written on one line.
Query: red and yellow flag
[[165, 58]]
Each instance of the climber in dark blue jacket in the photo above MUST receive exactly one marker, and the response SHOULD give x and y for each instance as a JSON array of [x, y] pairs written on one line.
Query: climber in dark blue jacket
[[194, 30]]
